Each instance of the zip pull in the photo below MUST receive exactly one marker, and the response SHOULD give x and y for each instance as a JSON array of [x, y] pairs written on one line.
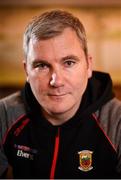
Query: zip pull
[[55, 155]]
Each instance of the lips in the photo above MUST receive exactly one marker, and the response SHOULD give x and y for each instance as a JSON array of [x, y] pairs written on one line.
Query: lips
[[57, 95]]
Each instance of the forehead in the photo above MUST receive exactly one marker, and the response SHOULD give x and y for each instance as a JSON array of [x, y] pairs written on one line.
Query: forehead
[[63, 44]]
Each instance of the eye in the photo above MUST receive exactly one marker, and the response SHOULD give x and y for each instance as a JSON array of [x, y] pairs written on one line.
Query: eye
[[41, 66], [69, 63]]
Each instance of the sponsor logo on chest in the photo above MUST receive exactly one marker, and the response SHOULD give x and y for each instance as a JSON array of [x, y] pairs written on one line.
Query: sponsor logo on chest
[[26, 155], [25, 151]]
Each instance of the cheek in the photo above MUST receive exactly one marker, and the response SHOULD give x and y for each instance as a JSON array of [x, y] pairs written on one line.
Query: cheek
[[81, 85], [38, 84], [38, 88], [80, 80], [80, 76]]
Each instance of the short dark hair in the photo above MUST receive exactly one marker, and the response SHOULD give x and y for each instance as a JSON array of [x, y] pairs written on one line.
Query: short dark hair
[[52, 23]]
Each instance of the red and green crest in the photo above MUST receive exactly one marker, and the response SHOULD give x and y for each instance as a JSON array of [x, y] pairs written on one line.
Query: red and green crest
[[85, 160]]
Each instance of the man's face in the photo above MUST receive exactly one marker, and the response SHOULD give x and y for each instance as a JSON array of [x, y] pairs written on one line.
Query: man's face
[[64, 57]]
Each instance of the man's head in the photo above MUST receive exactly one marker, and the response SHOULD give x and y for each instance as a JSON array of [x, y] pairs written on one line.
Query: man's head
[[51, 24], [57, 64]]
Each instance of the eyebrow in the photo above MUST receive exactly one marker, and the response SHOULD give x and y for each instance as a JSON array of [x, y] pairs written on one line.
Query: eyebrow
[[71, 57]]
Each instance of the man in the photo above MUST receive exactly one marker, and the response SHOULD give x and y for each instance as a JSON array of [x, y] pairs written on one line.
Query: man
[[66, 122]]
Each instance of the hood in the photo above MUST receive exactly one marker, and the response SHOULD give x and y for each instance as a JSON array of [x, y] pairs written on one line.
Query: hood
[[99, 91]]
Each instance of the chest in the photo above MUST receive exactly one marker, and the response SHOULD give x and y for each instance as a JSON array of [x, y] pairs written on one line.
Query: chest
[[79, 152]]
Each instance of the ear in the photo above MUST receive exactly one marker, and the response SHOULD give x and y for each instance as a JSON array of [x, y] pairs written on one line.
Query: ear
[[25, 69], [89, 60]]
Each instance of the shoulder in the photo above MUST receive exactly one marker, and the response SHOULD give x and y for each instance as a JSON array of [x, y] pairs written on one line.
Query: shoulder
[[111, 111], [114, 106], [11, 107], [12, 98], [110, 120], [12, 101]]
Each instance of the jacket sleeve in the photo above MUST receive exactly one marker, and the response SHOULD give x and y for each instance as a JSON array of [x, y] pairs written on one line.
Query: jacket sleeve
[[11, 108], [110, 120], [3, 128]]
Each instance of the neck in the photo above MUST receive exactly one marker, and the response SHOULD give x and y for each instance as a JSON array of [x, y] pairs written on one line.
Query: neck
[[56, 119], [59, 118]]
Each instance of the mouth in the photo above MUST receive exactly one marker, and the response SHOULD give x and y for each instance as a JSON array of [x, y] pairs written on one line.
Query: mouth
[[57, 95]]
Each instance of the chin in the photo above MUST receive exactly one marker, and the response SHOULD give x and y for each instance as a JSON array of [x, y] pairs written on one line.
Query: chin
[[58, 110]]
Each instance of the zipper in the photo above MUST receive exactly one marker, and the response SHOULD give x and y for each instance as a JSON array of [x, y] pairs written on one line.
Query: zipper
[[55, 154]]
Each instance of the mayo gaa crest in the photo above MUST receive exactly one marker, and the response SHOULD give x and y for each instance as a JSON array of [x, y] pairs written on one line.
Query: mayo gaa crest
[[85, 160]]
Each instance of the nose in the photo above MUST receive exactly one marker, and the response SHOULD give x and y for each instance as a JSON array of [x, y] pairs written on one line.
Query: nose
[[56, 79]]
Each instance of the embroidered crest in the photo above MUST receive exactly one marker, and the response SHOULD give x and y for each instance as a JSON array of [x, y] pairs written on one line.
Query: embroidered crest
[[85, 160]]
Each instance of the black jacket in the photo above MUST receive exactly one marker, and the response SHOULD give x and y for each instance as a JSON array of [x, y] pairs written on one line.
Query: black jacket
[[79, 148]]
